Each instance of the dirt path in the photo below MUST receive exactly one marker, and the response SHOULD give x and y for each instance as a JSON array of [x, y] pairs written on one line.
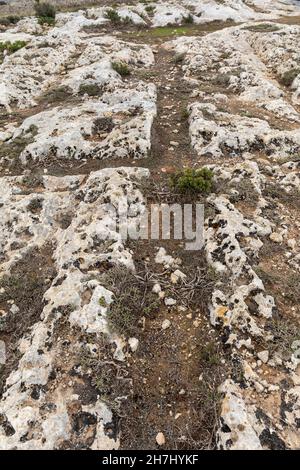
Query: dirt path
[[175, 372]]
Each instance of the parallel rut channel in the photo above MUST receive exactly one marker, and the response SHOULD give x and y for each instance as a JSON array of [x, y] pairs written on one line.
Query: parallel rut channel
[[175, 372]]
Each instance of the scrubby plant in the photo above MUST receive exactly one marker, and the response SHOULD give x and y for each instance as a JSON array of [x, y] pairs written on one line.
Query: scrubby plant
[[262, 28], [35, 205], [209, 354], [8, 20], [112, 15], [33, 180], [191, 180], [133, 299], [184, 114], [288, 77], [92, 28], [58, 94], [189, 19], [102, 302], [11, 47], [121, 68], [102, 124], [91, 89], [15, 46], [150, 9], [45, 12]]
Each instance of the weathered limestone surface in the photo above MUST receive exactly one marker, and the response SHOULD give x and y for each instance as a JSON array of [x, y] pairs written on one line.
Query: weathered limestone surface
[[38, 406]]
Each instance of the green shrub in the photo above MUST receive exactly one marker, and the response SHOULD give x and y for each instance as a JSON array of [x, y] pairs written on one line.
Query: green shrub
[[46, 20], [209, 354], [184, 115], [8, 20], [122, 68], [45, 12], [262, 28], [112, 15], [191, 180], [15, 46], [11, 47], [54, 95], [288, 77], [188, 19], [14, 147], [150, 9], [91, 89]]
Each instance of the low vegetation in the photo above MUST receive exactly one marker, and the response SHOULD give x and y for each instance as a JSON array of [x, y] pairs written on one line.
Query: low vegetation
[[240, 191], [262, 28], [112, 15], [189, 19], [288, 283], [56, 95], [45, 12], [209, 354], [150, 9], [91, 89], [179, 58], [184, 114], [102, 124], [11, 47], [165, 31], [121, 68], [9, 20], [191, 180], [132, 300], [288, 77], [274, 192]]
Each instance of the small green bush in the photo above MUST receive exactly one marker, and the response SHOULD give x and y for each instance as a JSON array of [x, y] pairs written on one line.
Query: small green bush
[[14, 147], [184, 115], [15, 46], [150, 9], [46, 20], [209, 354], [288, 77], [188, 19], [58, 94], [11, 47], [91, 89], [262, 28], [191, 180], [112, 15], [122, 68], [8, 20]]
